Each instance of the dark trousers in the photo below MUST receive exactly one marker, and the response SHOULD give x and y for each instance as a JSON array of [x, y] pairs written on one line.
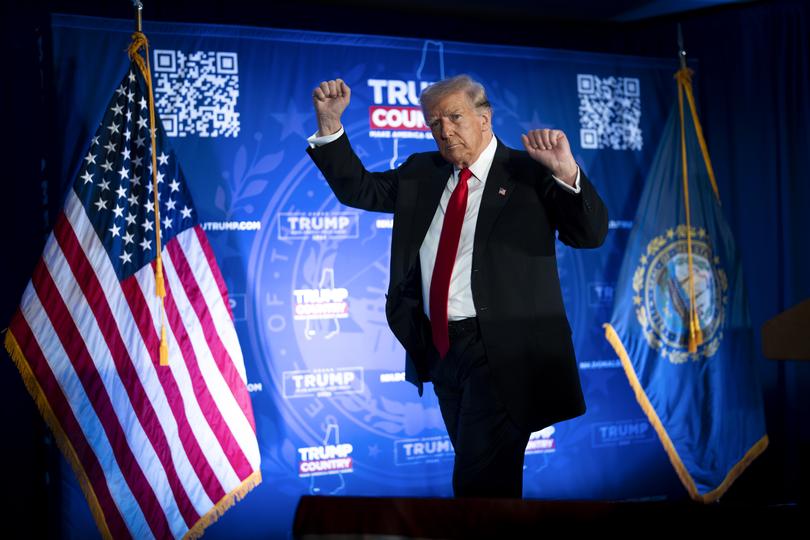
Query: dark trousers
[[489, 447]]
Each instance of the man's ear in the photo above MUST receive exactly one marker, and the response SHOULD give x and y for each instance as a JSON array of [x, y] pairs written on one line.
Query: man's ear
[[486, 125]]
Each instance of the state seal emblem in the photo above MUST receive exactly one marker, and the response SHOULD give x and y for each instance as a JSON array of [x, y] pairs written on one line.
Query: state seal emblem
[[662, 300]]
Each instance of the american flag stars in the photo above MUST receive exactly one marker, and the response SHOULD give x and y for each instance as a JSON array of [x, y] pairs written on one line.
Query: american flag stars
[[115, 183]]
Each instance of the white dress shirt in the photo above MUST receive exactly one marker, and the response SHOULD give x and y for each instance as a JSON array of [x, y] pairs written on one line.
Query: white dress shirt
[[460, 303]]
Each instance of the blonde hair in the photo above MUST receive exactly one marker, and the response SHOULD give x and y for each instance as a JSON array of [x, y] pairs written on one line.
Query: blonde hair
[[474, 91]]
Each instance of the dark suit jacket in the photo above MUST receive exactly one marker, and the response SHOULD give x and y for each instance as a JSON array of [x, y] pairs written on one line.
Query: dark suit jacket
[[515, 285]]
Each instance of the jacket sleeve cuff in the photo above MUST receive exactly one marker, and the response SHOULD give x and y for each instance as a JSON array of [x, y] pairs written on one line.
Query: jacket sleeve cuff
[[572, 189], [314, 141]]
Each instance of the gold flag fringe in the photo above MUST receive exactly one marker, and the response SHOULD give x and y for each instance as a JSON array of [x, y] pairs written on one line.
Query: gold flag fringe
[[62, 441], [686, 479], [223, 505]]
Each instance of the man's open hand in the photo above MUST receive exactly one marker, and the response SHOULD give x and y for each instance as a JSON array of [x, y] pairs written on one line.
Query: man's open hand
[[330, 99]]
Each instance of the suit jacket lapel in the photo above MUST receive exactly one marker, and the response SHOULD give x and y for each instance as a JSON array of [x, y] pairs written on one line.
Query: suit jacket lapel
[[497, 190]]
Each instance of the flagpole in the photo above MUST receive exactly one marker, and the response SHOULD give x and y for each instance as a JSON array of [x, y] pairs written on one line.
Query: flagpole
[[681, 50], [684, 78], [138, 5], [695, 338]]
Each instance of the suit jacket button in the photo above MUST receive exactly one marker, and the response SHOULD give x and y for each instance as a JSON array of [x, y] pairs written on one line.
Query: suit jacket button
[[483, 308]]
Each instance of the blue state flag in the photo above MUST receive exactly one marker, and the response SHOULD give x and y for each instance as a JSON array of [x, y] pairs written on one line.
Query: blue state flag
[[680, 321]]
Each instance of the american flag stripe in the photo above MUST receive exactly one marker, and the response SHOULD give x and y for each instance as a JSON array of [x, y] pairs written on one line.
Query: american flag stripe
[[209, 349], [120, 473], [216, 295], [210, 308], [208, 480], [110, 326], [181, 352], [205, 245], [210, 390], [130, 300], [89, 469], [211, 455], [79, 216], [90, 358]]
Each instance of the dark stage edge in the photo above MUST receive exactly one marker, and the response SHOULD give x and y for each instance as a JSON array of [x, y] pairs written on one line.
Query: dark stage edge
[[344, 518]]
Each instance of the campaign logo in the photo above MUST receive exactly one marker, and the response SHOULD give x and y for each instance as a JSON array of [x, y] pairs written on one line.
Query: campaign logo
[[423, 450], [321, 309], [542, 442], [318, 225], [326, 459], [324, 382], [396, 113], [621, 433], [319, 304]]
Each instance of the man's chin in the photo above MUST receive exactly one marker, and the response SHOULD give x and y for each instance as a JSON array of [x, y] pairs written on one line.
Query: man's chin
[[456, 158]]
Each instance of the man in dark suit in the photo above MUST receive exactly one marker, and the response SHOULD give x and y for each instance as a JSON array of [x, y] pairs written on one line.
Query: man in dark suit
[[474, 296]]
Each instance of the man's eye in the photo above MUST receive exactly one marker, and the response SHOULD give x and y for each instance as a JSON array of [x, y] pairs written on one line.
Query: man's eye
[[455, 118]]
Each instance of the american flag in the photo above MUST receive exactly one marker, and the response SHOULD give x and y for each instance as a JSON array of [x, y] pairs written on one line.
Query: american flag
[[159, 451]]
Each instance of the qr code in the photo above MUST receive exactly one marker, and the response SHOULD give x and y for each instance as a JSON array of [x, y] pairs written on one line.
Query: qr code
[[609, 112], [196, 92]]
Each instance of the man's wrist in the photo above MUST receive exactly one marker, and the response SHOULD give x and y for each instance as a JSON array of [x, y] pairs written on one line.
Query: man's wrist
[[572, 187], [568, 174], [328, 126]]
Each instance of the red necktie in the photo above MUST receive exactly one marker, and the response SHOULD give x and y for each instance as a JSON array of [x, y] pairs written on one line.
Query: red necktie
[[445, 259]]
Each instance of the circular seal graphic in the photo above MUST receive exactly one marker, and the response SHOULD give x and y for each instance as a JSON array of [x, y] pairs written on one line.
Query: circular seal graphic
[[662, 303]]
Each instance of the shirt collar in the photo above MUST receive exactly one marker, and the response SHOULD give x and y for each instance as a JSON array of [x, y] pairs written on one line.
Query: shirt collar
[[480, 168]]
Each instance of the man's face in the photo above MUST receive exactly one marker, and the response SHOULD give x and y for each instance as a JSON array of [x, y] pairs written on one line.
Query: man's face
[[460, 132]]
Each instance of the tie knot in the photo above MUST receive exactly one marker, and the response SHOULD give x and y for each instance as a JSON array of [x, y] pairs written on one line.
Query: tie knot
[[464, 175]]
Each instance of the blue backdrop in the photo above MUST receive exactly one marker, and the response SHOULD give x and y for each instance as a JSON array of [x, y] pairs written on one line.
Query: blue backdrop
[[307, 275]]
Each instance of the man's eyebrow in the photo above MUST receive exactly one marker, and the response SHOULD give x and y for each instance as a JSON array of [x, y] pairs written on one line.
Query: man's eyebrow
[[448, 112], [432, 118]]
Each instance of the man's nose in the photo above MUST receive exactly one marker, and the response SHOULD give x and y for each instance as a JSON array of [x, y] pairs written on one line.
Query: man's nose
[[446, 129]]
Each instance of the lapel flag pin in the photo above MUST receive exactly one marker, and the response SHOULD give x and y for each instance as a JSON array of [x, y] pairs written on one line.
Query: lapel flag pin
[[502, 191]]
